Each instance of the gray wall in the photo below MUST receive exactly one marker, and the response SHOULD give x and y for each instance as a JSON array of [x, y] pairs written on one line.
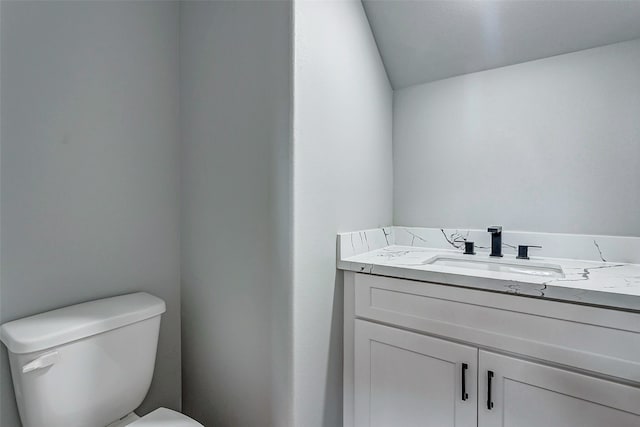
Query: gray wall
[[342, 181], [89, 172], [235, 107], [549, 145]]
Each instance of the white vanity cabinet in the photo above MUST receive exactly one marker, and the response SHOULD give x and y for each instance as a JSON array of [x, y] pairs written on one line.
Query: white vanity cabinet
[[551, 363]]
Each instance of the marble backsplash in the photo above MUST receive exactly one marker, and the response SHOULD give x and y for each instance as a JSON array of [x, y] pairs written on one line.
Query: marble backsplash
[[554, 245]]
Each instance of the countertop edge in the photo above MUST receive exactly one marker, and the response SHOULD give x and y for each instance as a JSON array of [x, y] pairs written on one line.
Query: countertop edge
[[597, 298]]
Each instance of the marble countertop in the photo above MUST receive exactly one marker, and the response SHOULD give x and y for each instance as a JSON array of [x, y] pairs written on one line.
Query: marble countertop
[[602, 283]]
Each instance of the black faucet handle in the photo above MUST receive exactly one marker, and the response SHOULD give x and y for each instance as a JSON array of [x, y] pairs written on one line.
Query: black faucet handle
[[468, 248], [523, 251], [495, 229]]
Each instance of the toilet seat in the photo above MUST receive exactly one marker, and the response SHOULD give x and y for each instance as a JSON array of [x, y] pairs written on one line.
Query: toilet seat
[[163, 417]]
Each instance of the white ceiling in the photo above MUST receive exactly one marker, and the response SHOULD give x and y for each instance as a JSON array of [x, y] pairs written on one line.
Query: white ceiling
[[423, 41]]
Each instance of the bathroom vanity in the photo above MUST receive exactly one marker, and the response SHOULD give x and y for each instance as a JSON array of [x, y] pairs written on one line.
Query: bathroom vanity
[[433, 337]]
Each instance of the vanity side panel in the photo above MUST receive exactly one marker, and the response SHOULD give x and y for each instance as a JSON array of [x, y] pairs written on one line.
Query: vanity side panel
[[349, 343]]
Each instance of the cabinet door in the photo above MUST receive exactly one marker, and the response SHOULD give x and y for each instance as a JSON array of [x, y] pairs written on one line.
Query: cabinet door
[[407, 379], [527, 394]]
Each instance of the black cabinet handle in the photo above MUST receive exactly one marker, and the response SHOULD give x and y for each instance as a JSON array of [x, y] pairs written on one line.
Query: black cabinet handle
[[489, 378], [465, 395]]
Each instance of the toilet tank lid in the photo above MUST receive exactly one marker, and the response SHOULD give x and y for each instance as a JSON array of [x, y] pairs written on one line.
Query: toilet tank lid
[[64, 325]]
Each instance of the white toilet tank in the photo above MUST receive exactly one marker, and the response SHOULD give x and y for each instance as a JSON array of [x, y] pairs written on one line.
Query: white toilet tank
[[85, 365]]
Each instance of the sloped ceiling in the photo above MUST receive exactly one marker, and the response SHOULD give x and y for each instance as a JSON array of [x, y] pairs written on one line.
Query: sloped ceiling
[[423, 41]]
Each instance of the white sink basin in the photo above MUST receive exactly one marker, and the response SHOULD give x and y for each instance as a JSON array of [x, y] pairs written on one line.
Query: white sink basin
[[525, 267]]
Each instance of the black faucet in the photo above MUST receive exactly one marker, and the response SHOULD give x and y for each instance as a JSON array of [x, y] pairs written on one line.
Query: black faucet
[[496, 240]]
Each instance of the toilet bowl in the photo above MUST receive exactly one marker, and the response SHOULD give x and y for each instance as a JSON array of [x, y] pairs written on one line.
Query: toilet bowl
[[89, 364], [161, 417]]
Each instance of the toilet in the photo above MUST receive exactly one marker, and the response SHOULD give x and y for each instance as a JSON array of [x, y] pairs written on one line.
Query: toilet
[[88, 365]]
